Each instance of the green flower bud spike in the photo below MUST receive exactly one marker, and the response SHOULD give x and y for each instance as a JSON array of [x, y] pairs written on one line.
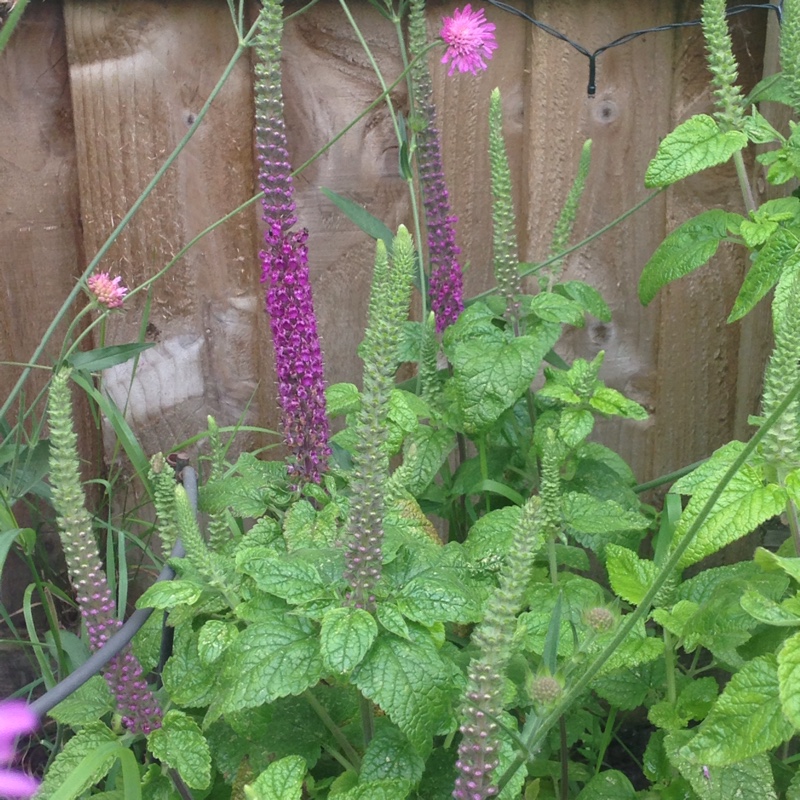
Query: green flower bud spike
[[790, 50], [722, 65], [483, 705], [504, 236], [388, 310]]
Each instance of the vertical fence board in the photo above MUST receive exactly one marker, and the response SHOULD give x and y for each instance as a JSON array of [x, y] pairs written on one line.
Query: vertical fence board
[[140, 72]]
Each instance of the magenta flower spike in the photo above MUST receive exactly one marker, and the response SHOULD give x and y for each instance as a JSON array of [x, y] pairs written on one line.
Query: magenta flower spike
[[109, 292], [284, 262], [470, 39], [15, 718]]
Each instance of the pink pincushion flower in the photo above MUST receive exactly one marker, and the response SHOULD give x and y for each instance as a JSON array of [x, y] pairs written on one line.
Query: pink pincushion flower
[[15, 718], [109, 292], [470, 40]]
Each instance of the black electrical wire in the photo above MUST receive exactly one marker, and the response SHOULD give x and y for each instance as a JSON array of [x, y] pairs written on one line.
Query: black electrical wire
[[591, 88]]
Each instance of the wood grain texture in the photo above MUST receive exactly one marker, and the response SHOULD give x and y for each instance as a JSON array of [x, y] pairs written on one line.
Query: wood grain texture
[[140, 72]]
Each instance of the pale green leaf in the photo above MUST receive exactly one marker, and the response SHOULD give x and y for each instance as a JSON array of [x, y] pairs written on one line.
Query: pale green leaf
[[769, 560], [608, 785], [86, 704], [609, 401], [188, 681], [409, 681], [341, 399], [574, 425], [214, 639], [766, 610], [591, 300], [281, 780], [781, 252], [490, 537], [630, 576], [168, 594], [746, 719], [553, 307], [346, 636], [270, 659], [789, 679], [748, 779], [440, 595], [590, 515], [688, 247], [387, 789], [692, 147], [180, 744], [88, 740], [424, 452], [743, 505], [287, 577], [390, 755]]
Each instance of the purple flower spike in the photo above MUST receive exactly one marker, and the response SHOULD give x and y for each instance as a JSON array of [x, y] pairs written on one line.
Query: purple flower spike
[[15, 718], [284, 261]]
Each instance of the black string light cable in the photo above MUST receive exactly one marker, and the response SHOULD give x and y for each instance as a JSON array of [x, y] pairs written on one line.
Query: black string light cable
[[591, 88]]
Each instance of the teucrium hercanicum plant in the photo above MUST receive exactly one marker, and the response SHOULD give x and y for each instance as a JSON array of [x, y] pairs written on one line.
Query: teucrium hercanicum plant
[[388, 309], [504, 235], [139, 708], [722, 64]]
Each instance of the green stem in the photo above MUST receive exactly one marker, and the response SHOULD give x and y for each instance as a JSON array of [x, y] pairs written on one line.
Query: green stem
[[605, 740], [744, 182], [670, 477], [669, 665], [534, 738], [11, 22], [367, 720], [335, 730], [558, 256]]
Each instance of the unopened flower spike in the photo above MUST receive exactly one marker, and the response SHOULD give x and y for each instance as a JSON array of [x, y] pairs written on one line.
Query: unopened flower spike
[[108, 291], [470, 40], [139, 708], [391, 294], [16, 718], [722, 64], [446, 289], [478, 752], [293, 322]]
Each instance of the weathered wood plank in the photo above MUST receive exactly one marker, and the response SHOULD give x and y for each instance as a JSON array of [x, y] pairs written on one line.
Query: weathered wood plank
[[140, 72]]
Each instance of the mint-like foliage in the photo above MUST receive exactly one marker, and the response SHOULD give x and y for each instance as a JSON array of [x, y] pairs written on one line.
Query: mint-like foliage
[[388, 308], [478, 751]]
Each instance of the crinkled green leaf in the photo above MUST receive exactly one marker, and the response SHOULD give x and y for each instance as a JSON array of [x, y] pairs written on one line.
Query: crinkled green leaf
[[86, 704], [574, 425], [281, 780], [781, 252], [748, 779], [424, 452], [440, 595], [746, 719], [346, 636], [693, 703], [268, 660], [630, 576], [766, 610], [609, 401], [304, 526], [390, 755], [590, 515], [83, 744], [180, 744], [168, 594], [766, 559], [490, 375], [676, 618], [627, 687], [390, 617], [409, 681], [789, 679], [285, 576], [688, 247], [552, 307], [188, 681], [490, 537], [386, 789], [591, 300], [214, 639], [611, 784], [693, 146], [341, 399], [743, 505]]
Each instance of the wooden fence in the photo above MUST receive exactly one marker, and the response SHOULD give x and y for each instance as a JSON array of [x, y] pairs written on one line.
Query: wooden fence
[[95, 95]]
